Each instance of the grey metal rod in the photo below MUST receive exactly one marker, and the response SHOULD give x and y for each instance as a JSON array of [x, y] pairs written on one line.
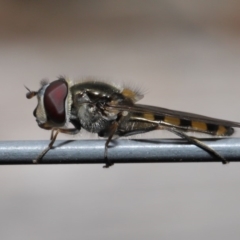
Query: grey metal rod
[[120, 151]]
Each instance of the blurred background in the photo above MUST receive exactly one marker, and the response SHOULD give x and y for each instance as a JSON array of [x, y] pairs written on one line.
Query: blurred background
[[184, 55]]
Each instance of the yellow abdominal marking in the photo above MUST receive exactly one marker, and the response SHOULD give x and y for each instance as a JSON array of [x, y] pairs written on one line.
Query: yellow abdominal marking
[[172, 120], [149, 116], [221, 130], [199, 125]]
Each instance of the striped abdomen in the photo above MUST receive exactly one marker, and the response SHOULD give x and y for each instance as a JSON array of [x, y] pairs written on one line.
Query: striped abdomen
[[186, 125], [190, 125]]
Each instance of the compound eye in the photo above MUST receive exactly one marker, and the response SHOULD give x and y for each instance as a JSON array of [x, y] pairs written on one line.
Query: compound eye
[[54, 101]]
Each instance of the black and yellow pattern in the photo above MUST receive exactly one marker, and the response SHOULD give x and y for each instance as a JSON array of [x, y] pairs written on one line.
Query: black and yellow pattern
[[183, 124]]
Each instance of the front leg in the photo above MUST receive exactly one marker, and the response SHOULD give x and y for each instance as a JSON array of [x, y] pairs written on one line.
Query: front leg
[[53, 138]]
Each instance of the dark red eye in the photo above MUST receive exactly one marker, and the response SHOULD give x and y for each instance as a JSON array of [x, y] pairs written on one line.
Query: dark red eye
[[54, 101]]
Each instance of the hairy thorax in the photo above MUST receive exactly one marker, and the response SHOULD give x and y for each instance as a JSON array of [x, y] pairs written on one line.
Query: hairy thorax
[[92, 119]]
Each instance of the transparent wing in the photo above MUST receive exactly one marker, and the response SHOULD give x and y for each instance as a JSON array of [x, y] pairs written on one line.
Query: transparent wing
[[159, 111]]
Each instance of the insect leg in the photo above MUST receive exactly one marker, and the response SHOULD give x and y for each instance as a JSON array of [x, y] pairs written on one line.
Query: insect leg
[[198, 143], [52, 134], [53, 138], [113, 129]]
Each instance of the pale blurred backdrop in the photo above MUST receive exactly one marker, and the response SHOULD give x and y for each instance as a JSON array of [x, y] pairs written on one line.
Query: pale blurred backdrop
[[184, 54]]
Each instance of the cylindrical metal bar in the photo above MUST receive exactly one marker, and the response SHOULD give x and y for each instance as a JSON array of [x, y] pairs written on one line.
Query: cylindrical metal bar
[[119, 151]]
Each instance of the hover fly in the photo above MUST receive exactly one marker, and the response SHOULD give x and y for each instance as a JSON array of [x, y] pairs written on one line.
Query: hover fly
[[107, 110]]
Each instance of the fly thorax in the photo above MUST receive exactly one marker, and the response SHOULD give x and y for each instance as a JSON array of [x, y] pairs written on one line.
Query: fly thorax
[[91, 118]]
